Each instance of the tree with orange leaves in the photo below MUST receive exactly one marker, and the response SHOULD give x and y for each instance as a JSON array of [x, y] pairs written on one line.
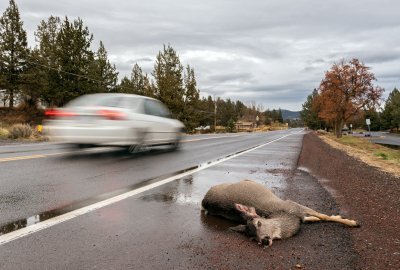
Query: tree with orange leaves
[[346, 89]]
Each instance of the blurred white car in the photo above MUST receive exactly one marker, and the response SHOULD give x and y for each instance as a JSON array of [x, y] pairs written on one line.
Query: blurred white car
[[114, 120]]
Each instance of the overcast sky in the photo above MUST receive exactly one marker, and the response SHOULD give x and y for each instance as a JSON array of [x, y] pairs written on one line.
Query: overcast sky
[[271, 52]]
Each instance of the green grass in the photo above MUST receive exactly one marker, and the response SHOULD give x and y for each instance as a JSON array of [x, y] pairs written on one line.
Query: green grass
[[382, 155]]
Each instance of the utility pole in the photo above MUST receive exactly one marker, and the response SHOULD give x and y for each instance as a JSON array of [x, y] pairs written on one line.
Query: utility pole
[[215, 115]]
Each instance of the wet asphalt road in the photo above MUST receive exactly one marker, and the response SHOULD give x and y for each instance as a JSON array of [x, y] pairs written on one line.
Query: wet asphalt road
[[385, 138], [161, 228]]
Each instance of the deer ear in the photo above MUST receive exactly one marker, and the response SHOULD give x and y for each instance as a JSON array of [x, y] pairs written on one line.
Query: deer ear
[[239, 207], [259, 224]]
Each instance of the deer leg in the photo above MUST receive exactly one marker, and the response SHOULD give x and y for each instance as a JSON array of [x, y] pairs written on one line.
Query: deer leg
[[338, 219], [315, 219], [312, 215], [239, 228], [310, 219]]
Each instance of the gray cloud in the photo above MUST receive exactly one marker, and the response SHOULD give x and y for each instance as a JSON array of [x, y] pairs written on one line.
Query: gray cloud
[[274, 52], [230, 77]]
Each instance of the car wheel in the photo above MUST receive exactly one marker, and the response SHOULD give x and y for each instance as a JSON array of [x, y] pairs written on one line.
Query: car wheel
[[140, 146], [135, 148], [175, 145], [83, 146]]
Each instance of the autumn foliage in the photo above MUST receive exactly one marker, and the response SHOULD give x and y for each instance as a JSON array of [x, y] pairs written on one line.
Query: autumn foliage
[[346, 89]]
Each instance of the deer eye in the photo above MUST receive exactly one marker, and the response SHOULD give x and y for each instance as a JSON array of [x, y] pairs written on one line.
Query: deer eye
[[265, 241]]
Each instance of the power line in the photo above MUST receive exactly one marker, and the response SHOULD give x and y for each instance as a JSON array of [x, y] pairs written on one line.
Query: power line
[[94, 80], [78, 75], [65, 72]]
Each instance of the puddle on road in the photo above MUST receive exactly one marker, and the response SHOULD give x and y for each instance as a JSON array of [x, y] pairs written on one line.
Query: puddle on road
[[25, 222], [158, 197]]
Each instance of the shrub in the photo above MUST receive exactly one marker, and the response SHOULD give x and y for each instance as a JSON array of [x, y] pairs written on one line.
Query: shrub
[[4, 133], [20, 131], [382, 155]]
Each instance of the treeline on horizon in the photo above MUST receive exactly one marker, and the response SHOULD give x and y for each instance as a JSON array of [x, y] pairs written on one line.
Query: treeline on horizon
[[62, 66]]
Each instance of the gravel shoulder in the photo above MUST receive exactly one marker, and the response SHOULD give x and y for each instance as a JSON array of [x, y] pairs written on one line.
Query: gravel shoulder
[[5, 142], [363, 193]]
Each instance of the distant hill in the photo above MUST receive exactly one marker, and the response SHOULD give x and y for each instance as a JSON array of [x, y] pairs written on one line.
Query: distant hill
[[286, 114]]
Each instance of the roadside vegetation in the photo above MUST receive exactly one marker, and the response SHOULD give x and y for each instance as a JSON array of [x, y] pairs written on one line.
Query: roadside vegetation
[[384, 158], [347, 97], [21, 132]]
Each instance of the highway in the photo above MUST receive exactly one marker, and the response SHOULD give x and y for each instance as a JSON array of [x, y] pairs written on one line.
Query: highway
[[106, 209]]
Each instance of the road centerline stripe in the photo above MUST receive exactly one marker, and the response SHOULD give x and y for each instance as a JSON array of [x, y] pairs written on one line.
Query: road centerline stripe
[[8, 159], [14, 235]]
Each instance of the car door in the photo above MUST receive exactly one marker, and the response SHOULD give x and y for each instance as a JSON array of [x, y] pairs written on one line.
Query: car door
[[160, 129]]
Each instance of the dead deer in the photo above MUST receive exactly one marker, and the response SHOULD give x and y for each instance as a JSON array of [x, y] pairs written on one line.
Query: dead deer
[[261, 213]]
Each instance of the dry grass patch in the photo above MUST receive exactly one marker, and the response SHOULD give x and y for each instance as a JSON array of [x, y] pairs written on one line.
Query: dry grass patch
[[22, 132], [383, 158], [18, 131], [4, 133]]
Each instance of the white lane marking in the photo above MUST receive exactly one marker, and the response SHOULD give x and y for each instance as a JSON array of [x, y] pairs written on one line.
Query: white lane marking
[[6, 238], [209, 138], [52, 154], [21, 158]]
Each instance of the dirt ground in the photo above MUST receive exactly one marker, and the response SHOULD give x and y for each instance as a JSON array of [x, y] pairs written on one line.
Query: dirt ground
[[364, 193]]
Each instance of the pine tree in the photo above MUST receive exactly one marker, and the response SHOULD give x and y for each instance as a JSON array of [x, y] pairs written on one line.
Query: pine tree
[[280, 117], [13, 51], [139, 83], [125, 86], [191, 116], [309, 113], [149, 87], [206, 106], [138, 80], [275, 115], [32, 80], [168, 80], [391, 112], [75, 57], [268, 117], [225, 111], [104, 74], [240, 109], [47, 61]]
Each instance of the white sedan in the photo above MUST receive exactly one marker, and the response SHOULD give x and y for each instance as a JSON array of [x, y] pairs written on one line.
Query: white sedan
[[114, 120]]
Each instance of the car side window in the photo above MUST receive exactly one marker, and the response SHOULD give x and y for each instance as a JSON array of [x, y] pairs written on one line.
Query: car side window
[[110, 102], [163, 111], [132, 103], [156, 108]]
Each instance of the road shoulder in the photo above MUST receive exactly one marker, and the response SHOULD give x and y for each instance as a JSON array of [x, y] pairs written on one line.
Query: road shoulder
[[366, 194]]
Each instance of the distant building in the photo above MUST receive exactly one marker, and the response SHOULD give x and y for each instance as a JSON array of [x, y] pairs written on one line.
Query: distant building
[[241, 125]]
